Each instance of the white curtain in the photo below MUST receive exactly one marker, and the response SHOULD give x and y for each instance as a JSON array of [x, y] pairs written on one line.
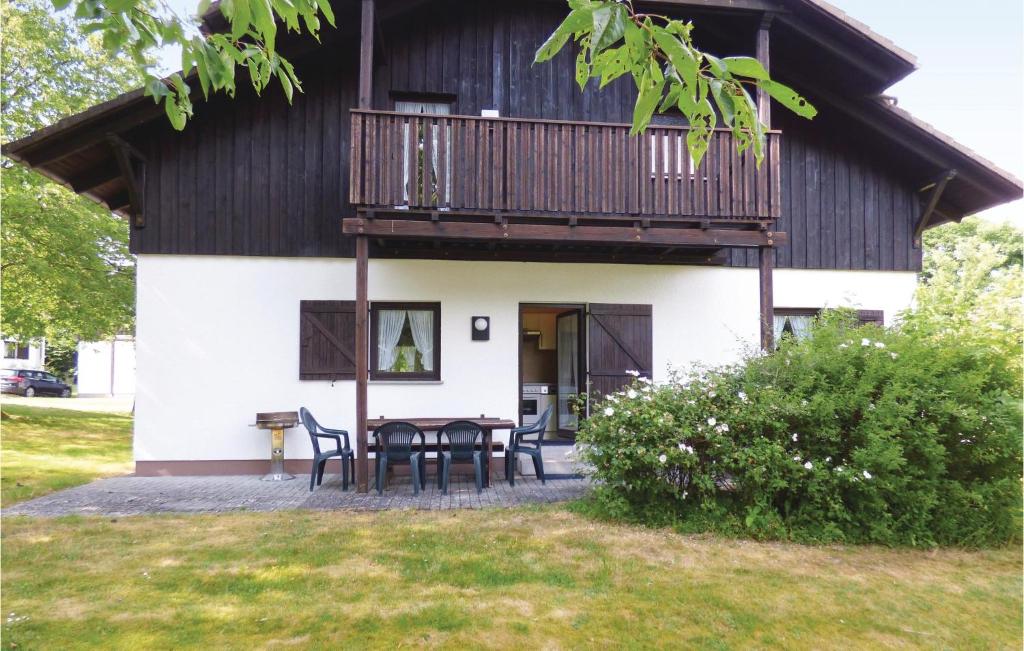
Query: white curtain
[[801, 326], [779, 326], [422, 324], [423, 108], [389, 331]]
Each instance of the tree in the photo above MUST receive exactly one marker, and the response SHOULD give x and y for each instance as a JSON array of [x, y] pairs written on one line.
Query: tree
[[972, 281], [65, 270], [613, 38]]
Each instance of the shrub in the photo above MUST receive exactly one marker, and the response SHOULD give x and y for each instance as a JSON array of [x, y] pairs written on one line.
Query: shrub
[[856, 434]]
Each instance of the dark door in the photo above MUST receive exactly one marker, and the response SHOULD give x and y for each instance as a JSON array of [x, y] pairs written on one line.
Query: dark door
[[619, 341]]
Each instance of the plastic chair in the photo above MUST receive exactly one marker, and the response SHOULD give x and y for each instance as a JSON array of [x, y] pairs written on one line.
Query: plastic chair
[[320, 457], [462, 437], [396, 443], [518, 444]]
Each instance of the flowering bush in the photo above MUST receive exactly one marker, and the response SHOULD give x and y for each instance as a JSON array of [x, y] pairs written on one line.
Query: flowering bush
[[856, 434]]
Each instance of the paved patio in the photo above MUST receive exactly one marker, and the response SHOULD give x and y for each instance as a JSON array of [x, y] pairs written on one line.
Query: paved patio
[[148, 495]]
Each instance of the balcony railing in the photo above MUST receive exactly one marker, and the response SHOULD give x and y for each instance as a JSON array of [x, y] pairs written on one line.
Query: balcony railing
[[511, 165]]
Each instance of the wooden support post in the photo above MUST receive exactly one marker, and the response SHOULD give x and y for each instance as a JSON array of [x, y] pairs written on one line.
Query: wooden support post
[[764, 102], [765, 254], [366, 55], [362, 362]]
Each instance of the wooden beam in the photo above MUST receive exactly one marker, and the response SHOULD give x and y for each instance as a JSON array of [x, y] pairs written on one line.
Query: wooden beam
[[362, 363], [632, 255], [525, 233], [366, 33], [764, 100], [938, 188], [123, 154], [765, 256]]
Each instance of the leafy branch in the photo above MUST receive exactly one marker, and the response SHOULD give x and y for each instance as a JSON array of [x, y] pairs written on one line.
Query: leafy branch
[[669, 72], [137, 27]]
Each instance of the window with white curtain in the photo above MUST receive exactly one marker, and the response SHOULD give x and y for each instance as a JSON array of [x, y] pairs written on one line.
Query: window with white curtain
[[425, 108], [796, 322], [405, 341]]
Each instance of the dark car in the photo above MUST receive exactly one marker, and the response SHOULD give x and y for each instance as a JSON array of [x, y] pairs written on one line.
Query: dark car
[[32, 383]]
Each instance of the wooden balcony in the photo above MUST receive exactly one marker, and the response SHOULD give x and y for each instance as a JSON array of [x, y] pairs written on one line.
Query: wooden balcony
[[511, 166]]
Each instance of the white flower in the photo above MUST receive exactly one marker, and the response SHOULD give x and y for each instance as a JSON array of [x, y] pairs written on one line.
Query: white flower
[[686, 448], [796, 437], [839, 468], [633, 373], [725, 427], [712, 394], [871, 405], [712, 422], [867, 475], [842, 346], [797, 458], [742, 396], [631, 394], [803, 403], [828, 459], [663, 458], [809, 465], [879, 344], [685, 494], [608, 411], [893, 355], [645, 380], [865, 342]]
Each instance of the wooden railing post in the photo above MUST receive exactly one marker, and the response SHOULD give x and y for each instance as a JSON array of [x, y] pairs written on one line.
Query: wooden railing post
[[362, 362], [767, 298]]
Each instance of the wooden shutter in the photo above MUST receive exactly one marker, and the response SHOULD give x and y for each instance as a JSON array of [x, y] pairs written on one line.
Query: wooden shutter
[[871, 316], [619, 339], [327, 336]]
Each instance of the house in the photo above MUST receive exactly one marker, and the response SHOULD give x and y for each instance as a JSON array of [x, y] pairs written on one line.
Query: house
[[24, 355], [437, 227], [106, 368]]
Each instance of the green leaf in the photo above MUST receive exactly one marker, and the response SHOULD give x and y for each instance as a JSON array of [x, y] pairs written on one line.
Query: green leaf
[[679, 56], [327, 11], [263, 21], [582, 68], [723, 100], [716, 66], [789, 98], [650, 95], [609, 25], [745, 67], [175, 114], [241, 19], [577, 20]]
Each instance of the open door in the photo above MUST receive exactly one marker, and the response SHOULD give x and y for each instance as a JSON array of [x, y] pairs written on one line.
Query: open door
[[570, 371], [619, 340]]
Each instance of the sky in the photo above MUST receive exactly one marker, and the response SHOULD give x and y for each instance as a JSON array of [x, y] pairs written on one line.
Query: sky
[[970, 78]]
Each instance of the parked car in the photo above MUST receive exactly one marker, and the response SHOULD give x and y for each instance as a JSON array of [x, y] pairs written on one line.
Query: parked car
[[32, 383]]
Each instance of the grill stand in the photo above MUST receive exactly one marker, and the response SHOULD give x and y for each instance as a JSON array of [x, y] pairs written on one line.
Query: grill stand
[[277, 472]]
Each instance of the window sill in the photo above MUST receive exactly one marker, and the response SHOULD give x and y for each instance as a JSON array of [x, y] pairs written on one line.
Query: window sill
[[405, 381]]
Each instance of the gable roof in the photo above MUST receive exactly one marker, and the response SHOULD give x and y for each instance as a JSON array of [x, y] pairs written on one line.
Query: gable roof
[[78, 151]]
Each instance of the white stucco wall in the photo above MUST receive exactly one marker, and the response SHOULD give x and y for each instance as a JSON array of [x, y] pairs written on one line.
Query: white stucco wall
[[218, 337], [106, 367], [36, 358]]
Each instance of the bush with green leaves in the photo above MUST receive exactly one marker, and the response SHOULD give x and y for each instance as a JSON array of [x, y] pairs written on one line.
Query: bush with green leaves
[[857, 434]]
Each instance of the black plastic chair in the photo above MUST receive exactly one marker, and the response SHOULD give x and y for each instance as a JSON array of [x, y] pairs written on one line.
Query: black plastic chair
[[461, 436], [320, 457], [396, 444], [518, 444]]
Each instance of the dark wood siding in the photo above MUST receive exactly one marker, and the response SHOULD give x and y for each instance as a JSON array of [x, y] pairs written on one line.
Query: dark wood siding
[[842, 207], [259, 177], [619, 339]]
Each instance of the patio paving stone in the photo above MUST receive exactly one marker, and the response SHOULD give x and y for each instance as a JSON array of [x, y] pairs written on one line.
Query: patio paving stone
[[119, 496]]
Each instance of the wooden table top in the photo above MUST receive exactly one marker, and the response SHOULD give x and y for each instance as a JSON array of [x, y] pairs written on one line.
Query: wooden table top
[[432, 424]]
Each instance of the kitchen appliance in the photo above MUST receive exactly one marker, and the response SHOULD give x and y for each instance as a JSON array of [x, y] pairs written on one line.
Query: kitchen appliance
[[536, 398]]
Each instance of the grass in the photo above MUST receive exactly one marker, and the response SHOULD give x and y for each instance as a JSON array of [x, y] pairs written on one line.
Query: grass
[[540, 577], [48, 449]]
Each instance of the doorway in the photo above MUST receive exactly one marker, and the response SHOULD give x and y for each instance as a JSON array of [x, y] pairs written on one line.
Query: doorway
[[552, 367]]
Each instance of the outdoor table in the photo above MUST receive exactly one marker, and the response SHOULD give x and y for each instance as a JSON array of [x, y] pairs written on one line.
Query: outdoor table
[[277, 422], [488, 425]]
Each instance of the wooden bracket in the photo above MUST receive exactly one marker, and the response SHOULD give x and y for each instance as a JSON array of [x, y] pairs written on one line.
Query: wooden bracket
[[131, 164], [937, 189], [705, 224]]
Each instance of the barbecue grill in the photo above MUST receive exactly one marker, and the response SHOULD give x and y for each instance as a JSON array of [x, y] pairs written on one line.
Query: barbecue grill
[[277, 422]]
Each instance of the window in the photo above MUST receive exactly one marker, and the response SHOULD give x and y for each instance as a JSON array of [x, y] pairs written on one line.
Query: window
[[405, 341], [425, 108], [13, 351], [796, 321]]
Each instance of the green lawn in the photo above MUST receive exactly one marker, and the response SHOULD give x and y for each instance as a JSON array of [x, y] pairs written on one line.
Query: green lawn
[[537, 577], [47, 449], [525, 578]]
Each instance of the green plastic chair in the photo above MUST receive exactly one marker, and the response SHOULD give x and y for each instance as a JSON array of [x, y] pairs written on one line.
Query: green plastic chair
[[461, 436], [320, 457], [519, 444], [396, 444]]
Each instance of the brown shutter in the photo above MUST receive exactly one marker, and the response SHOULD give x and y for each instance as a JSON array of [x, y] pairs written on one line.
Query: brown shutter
[[327, 335], [871, 316], [619, 339]]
